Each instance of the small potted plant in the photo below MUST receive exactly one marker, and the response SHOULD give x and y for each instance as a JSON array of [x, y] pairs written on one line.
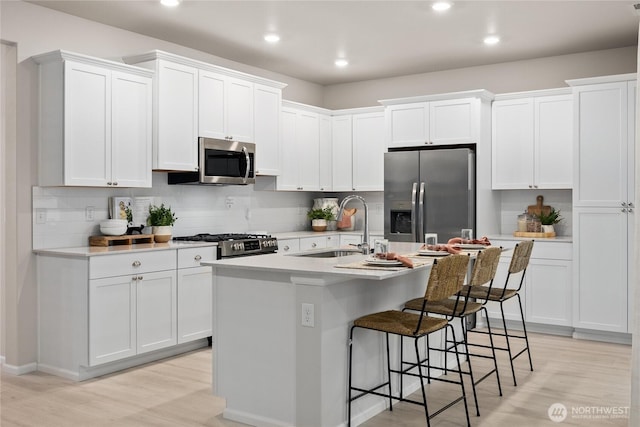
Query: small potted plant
[[548, 220], [161, 220], [319, 218]]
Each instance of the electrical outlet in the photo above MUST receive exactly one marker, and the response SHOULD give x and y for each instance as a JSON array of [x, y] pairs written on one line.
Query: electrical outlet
[[308, 317], [89, 213], [229, 201], [41, 216]]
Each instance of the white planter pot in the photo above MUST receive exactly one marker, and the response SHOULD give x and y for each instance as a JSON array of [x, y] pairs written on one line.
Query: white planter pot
[[161, 233], [548, 228], [318, 224]]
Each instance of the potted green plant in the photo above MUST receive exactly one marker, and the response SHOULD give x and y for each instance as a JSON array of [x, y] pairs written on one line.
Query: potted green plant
[[319, 218], [549, 219], [161, 220]]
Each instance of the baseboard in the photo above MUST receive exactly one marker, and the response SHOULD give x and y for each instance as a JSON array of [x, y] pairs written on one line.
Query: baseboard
[[611, 337], [85, 373], [251, 419], [19, 370]]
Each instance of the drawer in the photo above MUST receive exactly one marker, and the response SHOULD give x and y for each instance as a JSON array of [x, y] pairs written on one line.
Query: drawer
[[131, 263], [191, 257], [288, 246], [350, 239], [313, 243], [333, 241]]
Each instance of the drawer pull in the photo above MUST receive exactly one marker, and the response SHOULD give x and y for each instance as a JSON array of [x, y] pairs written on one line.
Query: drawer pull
[[286, 248], [197, 257], [136, 264], [313, 245]]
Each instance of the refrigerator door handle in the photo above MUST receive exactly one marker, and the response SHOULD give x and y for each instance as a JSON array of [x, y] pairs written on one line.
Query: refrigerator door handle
[[421, 218], [414, 213]]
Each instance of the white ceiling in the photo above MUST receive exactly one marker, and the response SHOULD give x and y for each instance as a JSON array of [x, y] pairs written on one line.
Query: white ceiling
[[379, 38]]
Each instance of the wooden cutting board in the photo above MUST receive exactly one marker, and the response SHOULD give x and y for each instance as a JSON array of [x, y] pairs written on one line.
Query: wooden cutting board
[[539, 207]]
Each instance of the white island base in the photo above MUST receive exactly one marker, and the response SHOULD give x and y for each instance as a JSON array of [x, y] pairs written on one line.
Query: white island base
[[272, 370]]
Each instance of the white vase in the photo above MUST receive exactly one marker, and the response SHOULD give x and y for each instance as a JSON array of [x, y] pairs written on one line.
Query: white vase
[[318, 224], [327, 202], [161, 233], [548, 228]]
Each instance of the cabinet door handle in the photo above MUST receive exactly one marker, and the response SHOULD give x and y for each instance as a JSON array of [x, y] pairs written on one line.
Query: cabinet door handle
[[136, 264], [135, 278], [624, 204], [630, 205], [197, 257], [109, 183], [630, 210], [139, 277], [623, 210]]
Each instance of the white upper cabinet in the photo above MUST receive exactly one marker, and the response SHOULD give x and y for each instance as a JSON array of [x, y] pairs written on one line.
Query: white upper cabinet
[[532, 140], [602, 146], [300, 147], [326, 149], [195, 99], [266, 128], [433, 120], [175, 144], [342, 157], [95, 122], [225, 107], [368, 151]]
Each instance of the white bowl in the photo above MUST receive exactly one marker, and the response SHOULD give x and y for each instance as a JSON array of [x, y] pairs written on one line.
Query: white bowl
[[113, 227]]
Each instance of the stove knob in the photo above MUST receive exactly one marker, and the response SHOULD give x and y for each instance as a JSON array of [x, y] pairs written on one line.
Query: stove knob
[[237, 246]]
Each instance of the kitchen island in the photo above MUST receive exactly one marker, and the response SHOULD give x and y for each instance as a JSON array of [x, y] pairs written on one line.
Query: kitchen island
[[280, 335]]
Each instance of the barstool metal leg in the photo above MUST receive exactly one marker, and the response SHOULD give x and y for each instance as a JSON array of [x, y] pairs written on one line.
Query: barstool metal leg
[[524, 329], [466, 351], [493, 350], [464, 394], [506, 336], [424, 394], [350, 375], [389, 373]]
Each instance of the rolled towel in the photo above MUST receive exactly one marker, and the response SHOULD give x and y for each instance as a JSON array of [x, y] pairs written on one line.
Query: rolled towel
[[403, 259], [484, 240], [448, 248]]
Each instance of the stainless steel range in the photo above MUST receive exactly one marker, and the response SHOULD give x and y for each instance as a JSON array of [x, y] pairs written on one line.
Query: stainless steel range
[[236, 244]]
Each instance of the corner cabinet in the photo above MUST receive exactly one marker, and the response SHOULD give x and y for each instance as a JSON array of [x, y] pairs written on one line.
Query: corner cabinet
[[434, 120], [95, 122], [604, 201], [532, 145], [196, 99], [300, 147]]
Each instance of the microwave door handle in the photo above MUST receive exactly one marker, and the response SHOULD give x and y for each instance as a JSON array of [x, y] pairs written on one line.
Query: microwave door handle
[[246, 155]]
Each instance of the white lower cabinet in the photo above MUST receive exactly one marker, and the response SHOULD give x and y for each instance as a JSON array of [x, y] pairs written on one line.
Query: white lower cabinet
[[288, 246], [194, 294], [133, 309], [98, 314], [546, 292]]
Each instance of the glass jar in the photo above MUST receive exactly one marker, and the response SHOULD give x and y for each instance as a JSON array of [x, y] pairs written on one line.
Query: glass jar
[[523, 218]]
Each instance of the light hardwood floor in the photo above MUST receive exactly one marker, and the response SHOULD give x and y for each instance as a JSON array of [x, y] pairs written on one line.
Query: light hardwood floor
[[582, 375]]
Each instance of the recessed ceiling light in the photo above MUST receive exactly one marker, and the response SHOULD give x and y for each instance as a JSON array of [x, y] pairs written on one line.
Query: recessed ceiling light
[[441, 6], [491, 40], [341, 62], [170, 3], [272, 38]]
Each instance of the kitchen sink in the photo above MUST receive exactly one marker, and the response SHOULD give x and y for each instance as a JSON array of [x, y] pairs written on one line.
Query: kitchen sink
[[328, 253]]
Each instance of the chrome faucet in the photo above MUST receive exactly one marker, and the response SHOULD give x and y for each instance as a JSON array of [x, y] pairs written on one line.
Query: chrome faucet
[[365, 239]]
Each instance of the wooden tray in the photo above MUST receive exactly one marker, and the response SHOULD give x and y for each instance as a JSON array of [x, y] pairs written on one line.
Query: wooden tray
[[533, 234], [120, 240]]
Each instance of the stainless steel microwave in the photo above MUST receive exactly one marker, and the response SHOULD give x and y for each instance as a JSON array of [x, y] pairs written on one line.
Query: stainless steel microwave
[[220, 162]]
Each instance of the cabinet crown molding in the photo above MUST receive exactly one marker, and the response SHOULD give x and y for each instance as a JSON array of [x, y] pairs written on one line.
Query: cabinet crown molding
[[482, 94], [602, 79], [65, 55], [159, 54], [533, 93]]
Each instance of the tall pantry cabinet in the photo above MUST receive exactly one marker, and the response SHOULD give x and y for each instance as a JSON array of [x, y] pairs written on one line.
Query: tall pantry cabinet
[[603, 201]]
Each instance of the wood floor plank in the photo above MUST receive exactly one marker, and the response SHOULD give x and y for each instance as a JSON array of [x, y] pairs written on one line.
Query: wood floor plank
[[177, 392]]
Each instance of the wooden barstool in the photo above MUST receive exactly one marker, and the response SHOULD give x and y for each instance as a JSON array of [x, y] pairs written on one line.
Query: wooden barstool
[[484, 271], [517, 267], [445, 280]]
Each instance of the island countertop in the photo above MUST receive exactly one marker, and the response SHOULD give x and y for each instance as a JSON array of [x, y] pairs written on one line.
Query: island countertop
[[305, 265]]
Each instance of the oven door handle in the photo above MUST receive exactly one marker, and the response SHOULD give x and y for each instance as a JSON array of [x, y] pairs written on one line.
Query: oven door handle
[[246, 156]]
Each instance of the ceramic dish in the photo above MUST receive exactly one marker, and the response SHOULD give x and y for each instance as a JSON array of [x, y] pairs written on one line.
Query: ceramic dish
[[426, 252], [470, 246], [383, 262]]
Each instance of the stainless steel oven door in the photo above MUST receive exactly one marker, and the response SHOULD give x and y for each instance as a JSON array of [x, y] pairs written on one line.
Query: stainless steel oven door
[[226, 162]]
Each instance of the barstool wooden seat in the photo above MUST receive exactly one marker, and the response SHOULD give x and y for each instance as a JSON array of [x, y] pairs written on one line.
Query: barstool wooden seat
[[484, 271], [518, 266], [445, 280]]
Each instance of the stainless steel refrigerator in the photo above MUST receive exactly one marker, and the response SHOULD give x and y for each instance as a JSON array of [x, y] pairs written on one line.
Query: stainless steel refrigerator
[[429, 191]]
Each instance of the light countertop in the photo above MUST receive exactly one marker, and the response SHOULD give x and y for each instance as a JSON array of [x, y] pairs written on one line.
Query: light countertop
[[89, 251]]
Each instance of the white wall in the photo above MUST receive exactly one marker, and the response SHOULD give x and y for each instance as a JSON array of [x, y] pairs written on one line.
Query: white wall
[[534, 74]]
